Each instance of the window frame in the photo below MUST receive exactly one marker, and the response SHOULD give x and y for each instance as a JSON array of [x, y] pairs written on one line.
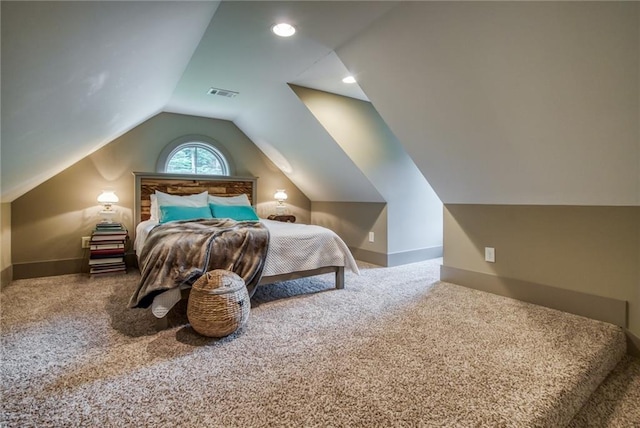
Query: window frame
[[195, 141]]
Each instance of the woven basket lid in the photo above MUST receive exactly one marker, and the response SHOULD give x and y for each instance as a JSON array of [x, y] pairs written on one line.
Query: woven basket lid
[[218, 279]]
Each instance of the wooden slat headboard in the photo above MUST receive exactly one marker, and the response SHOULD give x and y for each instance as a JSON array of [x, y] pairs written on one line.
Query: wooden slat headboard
[[146, 183]]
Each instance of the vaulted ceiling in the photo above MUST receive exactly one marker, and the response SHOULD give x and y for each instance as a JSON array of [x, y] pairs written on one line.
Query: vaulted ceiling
[[496, 102], [76, 75]]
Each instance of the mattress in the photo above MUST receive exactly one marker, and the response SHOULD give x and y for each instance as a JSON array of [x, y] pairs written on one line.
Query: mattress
[[293, 247]]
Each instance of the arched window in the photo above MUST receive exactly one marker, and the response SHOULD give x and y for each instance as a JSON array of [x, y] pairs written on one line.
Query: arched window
[[194, 155]]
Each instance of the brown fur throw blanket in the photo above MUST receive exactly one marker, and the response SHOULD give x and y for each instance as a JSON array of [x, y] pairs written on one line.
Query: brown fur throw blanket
[[180, 252]]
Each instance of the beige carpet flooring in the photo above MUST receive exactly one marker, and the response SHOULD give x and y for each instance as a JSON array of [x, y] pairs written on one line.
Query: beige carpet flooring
[[395, 348]]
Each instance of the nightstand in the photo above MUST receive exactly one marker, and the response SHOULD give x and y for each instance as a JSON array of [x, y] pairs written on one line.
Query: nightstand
[[283, 218]]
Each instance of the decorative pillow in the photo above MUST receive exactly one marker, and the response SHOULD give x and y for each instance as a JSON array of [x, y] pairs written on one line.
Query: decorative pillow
[[230, 200], [235, 212], [173, 213], [167, 200]]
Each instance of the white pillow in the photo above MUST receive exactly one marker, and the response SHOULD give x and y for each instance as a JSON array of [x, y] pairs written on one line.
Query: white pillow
[[230, 200], [154, 210], [166, 200], [197, 200]]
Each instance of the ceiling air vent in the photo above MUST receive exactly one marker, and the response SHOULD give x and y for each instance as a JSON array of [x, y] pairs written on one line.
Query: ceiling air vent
[[222, 92]]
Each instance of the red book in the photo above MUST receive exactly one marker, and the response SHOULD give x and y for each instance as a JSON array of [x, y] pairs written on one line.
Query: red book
[[106, 252]]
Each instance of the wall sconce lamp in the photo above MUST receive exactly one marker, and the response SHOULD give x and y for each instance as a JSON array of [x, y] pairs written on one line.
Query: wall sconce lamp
[[280, 196], [108, 198]]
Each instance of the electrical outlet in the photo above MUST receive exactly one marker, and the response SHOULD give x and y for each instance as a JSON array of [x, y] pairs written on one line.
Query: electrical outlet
[[371, 237], [86, 240], [490, 254]]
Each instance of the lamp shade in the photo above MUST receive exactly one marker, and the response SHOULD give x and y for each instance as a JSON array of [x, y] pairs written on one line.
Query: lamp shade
[[280, 195], [107, 197]]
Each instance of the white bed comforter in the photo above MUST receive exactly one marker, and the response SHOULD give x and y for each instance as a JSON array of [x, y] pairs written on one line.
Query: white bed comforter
[[293, 247]]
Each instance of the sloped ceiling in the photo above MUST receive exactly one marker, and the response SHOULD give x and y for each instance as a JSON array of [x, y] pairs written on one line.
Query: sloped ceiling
[[76, 75], [305, 152], [239, 53], [511, 102], [495, 102]]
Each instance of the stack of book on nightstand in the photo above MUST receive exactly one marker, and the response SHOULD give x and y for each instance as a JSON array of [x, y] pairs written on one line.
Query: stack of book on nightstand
[[107, 248]]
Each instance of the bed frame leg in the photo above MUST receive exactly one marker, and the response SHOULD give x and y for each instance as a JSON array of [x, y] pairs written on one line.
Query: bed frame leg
[[340, 277], [162, 323]]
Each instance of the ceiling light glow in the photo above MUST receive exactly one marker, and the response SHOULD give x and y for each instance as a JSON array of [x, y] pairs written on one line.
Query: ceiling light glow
[[283, 30], [349, 79]]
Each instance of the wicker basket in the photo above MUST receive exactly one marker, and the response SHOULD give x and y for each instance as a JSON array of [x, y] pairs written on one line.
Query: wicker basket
[[218, 304]]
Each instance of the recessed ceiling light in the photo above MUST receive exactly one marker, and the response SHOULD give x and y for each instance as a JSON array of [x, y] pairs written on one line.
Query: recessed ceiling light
[[283, 30], [349, 79]]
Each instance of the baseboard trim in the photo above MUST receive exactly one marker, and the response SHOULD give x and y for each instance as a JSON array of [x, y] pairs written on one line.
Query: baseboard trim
[[48, 268], [413, 256], [373, 257], [396, 259], [6, 276], [60, 267], [605, 309]]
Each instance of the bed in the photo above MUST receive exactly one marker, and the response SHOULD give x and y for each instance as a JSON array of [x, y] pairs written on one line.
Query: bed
[[294, 250]]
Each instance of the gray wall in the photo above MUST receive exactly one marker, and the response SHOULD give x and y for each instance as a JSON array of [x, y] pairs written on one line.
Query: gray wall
[[49, 221], [5, 245], [524, 117], [353, 221], [594, 250], [414, 212]]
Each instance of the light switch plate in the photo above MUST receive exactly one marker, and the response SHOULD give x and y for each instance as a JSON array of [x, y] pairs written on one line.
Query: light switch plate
[[490, 254]]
